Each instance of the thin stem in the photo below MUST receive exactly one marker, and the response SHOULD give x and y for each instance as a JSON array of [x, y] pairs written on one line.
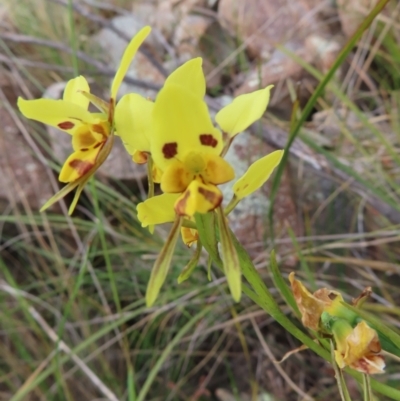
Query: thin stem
[[367, 388], [344, 394], [73, 38]]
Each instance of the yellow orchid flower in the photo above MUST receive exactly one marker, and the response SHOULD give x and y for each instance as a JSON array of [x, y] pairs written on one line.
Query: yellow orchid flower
[[92, 133], [183, 141], [357, 347], [188, 150]]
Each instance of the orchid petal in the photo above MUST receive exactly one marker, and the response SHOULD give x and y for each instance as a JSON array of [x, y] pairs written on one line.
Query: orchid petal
[[181, 124], [257, 174], [73, 92], [60, 114], [190, 76], [127, 57], [157, 210], [243, 111], [198, 198], [78, 164], [133, 122], [176, 178], [217, 170]]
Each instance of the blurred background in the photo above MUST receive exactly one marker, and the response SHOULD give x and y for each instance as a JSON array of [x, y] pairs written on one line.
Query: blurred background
[[73, 324]]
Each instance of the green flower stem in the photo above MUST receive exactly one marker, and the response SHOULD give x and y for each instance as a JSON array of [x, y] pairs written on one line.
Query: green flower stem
[[231, 205], [344, 393], [73, 39], [367, 388], [150, 180]]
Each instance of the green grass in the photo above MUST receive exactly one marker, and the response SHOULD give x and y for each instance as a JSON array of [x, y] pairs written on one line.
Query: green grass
[[73, 322]]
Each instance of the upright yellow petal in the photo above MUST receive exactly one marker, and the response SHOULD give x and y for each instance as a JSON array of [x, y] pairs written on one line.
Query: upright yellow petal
[[127, 57], [243, 111], [157, 210], [189, 75], [73, 92], [181, 124], [257, 174], [133, 122], [198, 198], [60, 114]]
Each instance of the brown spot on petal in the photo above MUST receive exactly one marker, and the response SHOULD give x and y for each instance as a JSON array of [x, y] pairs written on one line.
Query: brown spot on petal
[[97, 145], [208, 140], [81, 166], [170, 150], [214, 198], [180, 206], [84, 149], [99, 129], [85, 139], [66, 125]]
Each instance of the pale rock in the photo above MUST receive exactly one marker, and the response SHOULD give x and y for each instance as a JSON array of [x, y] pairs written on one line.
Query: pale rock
[[297, 26], [118, 165], [23, 179], [319, 51], [262, 24], [323, 51], [188, 34], [165, 15]]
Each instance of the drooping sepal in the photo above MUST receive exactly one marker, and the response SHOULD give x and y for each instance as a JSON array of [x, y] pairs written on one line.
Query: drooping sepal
[[162, 264], [230, 258]]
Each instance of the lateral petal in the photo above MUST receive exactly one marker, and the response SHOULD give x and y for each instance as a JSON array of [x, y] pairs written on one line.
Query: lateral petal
[[257, 174], [60, 114], [157, 210], [243, 111]]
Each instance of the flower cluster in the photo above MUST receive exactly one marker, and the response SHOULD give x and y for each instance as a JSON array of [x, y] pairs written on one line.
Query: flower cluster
[[92, 133], [183, 147], [357, 344], [186, 149]]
